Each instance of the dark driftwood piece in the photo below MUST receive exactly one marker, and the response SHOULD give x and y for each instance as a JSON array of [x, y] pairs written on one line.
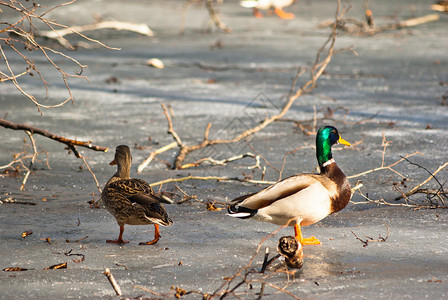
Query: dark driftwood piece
[[292, 250], [70, 143]]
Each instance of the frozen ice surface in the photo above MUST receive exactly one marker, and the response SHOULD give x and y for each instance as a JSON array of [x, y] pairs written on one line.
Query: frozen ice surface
[[397, 80]]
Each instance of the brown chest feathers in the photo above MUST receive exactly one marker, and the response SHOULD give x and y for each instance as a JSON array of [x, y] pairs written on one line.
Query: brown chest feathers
[[344, 191]]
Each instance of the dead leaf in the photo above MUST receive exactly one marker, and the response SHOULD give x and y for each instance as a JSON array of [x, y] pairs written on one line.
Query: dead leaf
[[47, 239], [27, 233], [58, 266], [179, 292], [14, 269], [112, 79], [212, 207]]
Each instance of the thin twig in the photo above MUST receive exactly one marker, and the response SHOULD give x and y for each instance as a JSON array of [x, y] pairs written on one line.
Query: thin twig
[[217, 178], [371, 240], [153, 154], [112, 281], [33, 143], [388, 167], [215, 18], [417, 187], [91, 172]]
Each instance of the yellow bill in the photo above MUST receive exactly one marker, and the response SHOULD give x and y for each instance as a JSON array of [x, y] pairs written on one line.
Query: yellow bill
[[343, 142]]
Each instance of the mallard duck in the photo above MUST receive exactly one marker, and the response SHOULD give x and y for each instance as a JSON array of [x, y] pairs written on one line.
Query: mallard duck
[[303, 199], [132, 201], [277, 5]]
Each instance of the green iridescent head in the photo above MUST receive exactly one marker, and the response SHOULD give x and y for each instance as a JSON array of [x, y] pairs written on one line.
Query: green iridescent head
[[326, 137]]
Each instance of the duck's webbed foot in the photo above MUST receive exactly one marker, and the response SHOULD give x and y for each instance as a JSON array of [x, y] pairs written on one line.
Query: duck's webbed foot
[[157, 236], [120, 238]]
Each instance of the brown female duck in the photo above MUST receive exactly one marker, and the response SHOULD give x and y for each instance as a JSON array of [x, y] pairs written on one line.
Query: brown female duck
[[132, 201], [303, 199]]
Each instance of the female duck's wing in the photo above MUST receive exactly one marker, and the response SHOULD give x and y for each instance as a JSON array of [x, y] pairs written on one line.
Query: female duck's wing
[[283, 189], [140, 196], [135, 190]]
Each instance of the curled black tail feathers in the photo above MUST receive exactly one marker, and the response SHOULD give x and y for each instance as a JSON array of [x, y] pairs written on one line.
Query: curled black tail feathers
[[240, 212]]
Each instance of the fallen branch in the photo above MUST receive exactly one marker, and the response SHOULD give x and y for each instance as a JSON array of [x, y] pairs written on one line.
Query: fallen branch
[[366, 27], [371, 240], [223, 162], [417, 189], [58, 35], [381, 201], [389, 167], [153, 154], [69, 142], [14, 201], [217, 178]]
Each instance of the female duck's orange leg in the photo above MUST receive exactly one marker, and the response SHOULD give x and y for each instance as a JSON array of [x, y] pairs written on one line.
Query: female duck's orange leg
[[120, 238], [157, 236], [257, 13], [305, 241], [283, 15]]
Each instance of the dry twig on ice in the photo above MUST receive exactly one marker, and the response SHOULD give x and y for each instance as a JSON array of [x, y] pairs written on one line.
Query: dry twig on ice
[[372, 240], [112, 281], [116, 25], [368, 27]]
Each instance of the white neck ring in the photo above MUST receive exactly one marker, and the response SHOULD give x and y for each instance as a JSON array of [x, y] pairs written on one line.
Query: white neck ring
[[328, 162]]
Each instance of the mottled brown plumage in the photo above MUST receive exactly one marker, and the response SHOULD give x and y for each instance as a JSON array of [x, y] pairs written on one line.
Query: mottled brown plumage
[[130, 200]]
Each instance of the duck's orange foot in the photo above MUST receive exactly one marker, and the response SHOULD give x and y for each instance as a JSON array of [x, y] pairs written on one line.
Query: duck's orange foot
[[157, 236], [154, 241], [283, 15], [117, 241], [310, 241], [257, 13]]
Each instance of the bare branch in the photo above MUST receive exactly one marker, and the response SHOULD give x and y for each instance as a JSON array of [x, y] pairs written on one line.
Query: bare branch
[[371, 240], [417, 187], [217, 178], [23, 32], [58, 35], [367, 27], [70, 143]]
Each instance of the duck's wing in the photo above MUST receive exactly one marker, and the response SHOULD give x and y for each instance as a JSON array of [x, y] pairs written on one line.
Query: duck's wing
[[283, 189], [140, 195], [135, 190]]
